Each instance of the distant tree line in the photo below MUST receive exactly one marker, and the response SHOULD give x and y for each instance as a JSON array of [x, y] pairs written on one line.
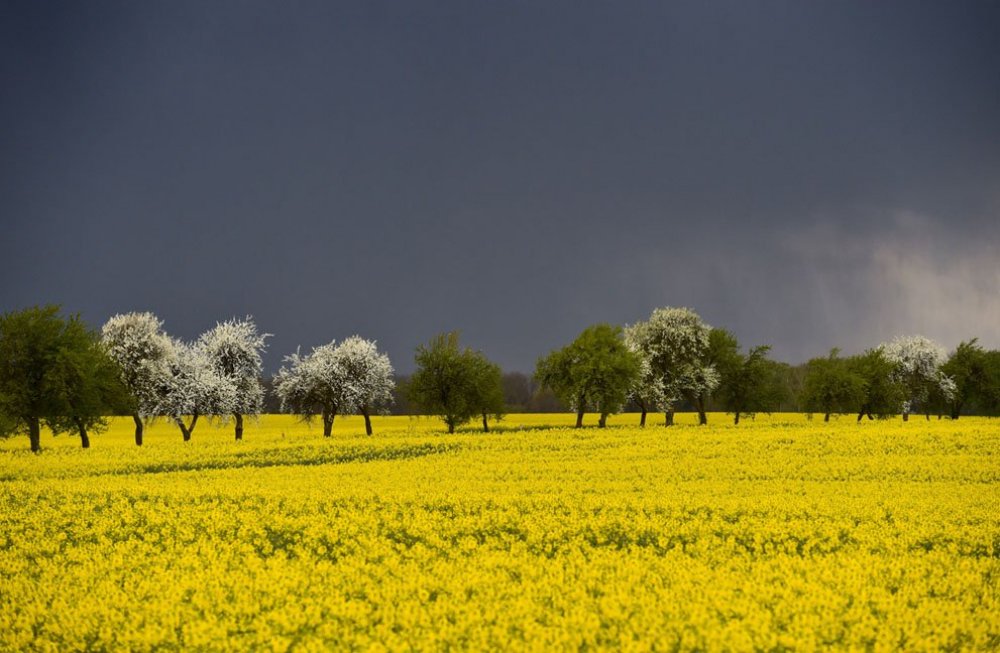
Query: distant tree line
[[57, 372]]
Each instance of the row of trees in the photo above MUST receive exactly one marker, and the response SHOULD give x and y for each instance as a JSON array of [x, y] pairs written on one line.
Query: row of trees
[[56, 372], [673, 358], [908, 374]]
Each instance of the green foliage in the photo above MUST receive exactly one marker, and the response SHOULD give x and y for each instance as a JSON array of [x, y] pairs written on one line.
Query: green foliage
[[89, 381], [487, 390], [53, 371], [749, 383], [455, 383], [596, 371], [723, 349], [882, 395], [831, 386], [976, 373]]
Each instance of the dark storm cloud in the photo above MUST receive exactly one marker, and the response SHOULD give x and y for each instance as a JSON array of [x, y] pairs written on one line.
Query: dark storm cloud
[[807, 175]]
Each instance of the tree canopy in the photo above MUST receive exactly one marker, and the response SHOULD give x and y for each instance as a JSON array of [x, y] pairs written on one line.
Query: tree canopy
[[233, 350], [597, 371], [143, 353], [831, 386], [676, 342], [455, 383], [54, 371]]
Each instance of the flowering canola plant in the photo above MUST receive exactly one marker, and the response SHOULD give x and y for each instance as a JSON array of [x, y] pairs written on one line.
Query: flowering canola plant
[[780, 533]]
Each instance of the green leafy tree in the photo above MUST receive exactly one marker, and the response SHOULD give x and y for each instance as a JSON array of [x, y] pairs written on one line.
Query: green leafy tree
[[90, 382], [749, 383], [54, 372], [487, 390], [454, 383], [596, 371], [882, 393], [831, 386], [989, 387], [723, 353], [29, 350], [967, 367]]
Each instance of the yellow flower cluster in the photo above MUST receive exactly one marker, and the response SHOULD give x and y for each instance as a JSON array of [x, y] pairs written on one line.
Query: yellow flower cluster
[[781, 533]]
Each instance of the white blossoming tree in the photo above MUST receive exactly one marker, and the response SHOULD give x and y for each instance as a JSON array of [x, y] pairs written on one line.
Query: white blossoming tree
[[917, 362], [647, 391], [233, 350], [195, 389], [144, 355], [366, 375], [314, 384], [675, 341]]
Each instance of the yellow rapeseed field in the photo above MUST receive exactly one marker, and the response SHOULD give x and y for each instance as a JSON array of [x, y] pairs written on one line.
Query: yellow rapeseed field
[[781, 533]]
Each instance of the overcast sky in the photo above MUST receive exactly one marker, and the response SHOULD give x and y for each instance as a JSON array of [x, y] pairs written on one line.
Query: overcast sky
[[807, 175]]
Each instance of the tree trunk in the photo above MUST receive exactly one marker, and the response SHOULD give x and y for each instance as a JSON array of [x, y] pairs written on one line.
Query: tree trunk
[[187, 430], [669, 418], [486, 424], [642, 419], [35, 434], [239, 426], [368, 421], [603, 421], [138, 429], [736, 419], [579, 419], [81, 426], [451, 426], [702, 416], [328, 423], [826, 418], [906, 416]]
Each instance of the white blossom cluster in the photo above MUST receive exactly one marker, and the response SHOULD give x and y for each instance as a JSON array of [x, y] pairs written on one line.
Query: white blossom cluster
[[336, 379], [144, 354], [675, 342], [917, 362], [217, 375], [233, 350], [194, 387], [648, 388], [367, 375], [312, 383]]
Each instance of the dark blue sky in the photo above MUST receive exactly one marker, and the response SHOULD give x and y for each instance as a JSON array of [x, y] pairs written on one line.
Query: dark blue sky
[[806, 174]]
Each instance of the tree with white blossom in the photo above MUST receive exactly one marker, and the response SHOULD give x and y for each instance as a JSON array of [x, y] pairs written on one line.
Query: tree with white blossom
[[676, 343], [194, 388], [647, 390], [315, 384], [233, 350], [917, 362], [143, 354], [366, 375]]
